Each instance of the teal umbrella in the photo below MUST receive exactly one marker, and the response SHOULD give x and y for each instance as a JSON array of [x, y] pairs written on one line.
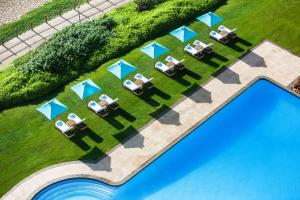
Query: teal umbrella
[[121, 69], [52, 109], [210, 19], [86, 89], [154, 50], [184, 34]]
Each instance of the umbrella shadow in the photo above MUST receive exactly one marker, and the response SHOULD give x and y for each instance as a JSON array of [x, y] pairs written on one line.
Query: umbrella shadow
[[111, 118], [166, 115], [103, 161], [130, 138], [227, 76], [254, 60], [198, 94]]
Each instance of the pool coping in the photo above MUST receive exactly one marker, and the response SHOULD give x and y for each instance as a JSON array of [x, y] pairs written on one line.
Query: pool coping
[[167, 147]]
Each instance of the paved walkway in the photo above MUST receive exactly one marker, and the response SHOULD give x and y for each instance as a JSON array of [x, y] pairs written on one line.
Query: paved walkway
[[267, 60], [33, 38]]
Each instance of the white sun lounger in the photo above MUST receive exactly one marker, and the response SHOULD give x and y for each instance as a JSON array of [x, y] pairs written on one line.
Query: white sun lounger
[[64, 128], [79, 122], [177, 63], [230, 32], [134, 88], [146, 81], [95, 107], [111, 102], [194, 52], [217, 36], [164, 68], [206, 47]]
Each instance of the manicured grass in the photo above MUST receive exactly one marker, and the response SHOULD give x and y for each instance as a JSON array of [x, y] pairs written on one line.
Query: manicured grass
[[29, 142], [36, 17]]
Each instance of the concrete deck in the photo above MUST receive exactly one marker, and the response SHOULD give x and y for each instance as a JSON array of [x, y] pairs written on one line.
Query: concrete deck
[[267, 60], [36, 36]]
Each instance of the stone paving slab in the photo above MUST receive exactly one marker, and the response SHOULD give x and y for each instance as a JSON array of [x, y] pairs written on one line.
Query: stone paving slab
[[267, 60], [89, 11]]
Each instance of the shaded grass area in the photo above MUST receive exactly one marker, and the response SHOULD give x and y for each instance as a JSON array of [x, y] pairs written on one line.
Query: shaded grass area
[[29, 142], [36, 17]]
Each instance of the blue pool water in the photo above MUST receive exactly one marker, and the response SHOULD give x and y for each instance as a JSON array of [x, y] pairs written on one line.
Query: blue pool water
[[248, 150]]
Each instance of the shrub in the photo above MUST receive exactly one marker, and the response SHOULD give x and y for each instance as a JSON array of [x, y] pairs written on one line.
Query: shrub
[[69, 48], [86, 46], [143, 5]]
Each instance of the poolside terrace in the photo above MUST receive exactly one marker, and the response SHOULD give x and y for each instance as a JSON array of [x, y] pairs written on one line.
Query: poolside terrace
[[267, 60]]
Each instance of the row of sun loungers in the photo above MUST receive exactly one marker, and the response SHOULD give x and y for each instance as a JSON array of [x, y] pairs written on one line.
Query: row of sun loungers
[[74, 122], [198, 49], [223, 35]]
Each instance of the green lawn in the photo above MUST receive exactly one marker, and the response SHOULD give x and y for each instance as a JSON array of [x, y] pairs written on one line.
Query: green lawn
[[29, 142], [36, 17]]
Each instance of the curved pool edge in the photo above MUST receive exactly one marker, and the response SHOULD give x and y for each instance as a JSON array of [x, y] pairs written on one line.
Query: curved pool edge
[[120, 180]]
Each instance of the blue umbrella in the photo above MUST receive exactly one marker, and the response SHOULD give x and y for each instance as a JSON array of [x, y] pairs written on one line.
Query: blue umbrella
[[210, 19], [154, 50], [121, 69], [183, 34], [86, 89], [52, 109]]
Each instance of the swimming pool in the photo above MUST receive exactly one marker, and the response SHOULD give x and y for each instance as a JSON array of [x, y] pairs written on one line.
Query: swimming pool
[[248, 150]]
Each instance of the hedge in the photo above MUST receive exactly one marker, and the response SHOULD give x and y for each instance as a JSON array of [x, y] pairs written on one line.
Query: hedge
[[30, 79], [143, 5]]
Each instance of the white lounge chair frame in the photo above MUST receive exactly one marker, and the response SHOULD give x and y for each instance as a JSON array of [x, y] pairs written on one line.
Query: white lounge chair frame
[[98, 109], [134, 88], [230, 32], [206, 47], [194, 52], [217, 36], [177, 63], [164, 68], [64, 128], [111, 102]]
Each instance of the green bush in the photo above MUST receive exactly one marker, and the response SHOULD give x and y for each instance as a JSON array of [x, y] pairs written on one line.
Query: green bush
[[143, 5], [86, 46], [68, 49]]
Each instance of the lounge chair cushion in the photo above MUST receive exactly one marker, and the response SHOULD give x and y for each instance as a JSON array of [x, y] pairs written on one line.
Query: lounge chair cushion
[[216, 35], [93, 105], [162, 67], [224, 28], [106, 98], [131, 85], [191, 50], [75, 118], [62, 126], [143, 78], [171, 59]]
